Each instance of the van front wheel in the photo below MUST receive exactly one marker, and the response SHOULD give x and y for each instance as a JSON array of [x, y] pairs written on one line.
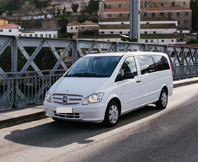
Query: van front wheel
[[163, 100], [112, 114]]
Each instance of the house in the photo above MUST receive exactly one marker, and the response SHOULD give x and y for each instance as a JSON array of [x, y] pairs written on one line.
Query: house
[[85, 28], [178, 10], [16, 30]]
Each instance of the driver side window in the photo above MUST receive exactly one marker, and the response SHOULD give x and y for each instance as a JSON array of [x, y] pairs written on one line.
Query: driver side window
[[128, 66]]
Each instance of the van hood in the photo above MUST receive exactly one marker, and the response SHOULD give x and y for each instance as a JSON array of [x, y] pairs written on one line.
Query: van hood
[[77, 85]]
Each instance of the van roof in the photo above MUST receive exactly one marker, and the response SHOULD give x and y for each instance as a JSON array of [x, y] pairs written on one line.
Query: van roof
[[125, 53]]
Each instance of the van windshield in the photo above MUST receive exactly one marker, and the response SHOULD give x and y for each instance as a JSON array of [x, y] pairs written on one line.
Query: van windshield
[[95, 66]]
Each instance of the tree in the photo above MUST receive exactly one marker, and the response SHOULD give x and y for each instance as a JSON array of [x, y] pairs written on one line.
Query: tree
[[75, 7], [194, 7], [92, 7], [64, 10], [58, 11], [62, 23], [38, 4]]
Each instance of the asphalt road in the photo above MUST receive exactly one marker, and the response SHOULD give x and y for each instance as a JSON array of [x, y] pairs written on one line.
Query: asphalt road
[[145, 135]]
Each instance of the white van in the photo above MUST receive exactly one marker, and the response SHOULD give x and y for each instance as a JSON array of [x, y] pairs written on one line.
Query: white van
[[101, 87]]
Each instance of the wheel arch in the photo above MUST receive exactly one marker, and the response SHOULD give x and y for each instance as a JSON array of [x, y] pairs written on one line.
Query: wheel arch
[[165, 88], [119, 103]]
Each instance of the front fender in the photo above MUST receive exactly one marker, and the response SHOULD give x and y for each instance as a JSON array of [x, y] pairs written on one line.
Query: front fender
[[112, 96]]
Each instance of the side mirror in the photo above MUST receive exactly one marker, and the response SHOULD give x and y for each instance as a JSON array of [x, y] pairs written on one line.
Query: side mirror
[[128, 75]]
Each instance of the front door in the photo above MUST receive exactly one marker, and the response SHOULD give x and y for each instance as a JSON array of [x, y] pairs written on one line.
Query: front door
[[131, 86]]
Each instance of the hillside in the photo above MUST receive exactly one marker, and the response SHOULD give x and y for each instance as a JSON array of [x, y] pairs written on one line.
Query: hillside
[[13, 5], [48, 14]]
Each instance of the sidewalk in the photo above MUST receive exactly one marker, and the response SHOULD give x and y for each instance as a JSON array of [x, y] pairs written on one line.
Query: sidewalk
[[26, 114]]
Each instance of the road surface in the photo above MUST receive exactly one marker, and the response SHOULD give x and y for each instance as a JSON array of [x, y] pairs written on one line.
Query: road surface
[[144, 135]]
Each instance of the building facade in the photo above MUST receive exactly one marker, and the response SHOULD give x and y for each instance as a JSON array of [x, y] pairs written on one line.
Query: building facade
[[3, 22], [85, 28], [178, 10], [16, 30], [147, 3]]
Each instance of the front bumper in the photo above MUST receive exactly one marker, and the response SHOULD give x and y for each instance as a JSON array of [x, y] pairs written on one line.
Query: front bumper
[[85, 113]]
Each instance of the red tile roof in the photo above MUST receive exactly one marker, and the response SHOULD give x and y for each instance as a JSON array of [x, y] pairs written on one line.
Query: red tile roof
[[147, 9], [73, 23], [10, 26]]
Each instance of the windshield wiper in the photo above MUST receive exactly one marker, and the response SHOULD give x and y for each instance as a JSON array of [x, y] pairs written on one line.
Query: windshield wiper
[[84, 74]]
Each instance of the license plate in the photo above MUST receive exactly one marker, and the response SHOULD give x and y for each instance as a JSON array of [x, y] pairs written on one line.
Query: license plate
[[64, 110]]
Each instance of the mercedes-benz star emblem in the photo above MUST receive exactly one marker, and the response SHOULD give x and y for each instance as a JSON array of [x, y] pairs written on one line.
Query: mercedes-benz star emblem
[[65, 99]]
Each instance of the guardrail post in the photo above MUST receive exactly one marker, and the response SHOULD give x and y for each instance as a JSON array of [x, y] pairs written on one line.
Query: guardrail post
[[116, 47], [182, 69], [14, 60], [166, 50], [74, 51], [196, 62]]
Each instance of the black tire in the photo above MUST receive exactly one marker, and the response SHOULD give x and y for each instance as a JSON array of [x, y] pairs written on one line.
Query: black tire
[[112, 114], [163, 100]]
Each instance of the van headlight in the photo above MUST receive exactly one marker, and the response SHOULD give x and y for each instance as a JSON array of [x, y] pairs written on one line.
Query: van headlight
[[94, 98], [48, 97]]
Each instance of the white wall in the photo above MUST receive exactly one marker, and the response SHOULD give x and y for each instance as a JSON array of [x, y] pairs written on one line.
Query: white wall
[[159, 22], [15, 32], [115, 31], [146, 41], [141, 22], [159, 41], [157, 31], [44, 34], [11, 32], [72, 29], [142, 31], [183, 31]]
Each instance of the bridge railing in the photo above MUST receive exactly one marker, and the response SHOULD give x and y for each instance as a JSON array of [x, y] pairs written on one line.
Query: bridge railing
[[19, 86]]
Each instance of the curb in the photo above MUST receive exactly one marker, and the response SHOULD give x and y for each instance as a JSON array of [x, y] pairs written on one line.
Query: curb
[[22, 119], [41, 115], [184, 83]]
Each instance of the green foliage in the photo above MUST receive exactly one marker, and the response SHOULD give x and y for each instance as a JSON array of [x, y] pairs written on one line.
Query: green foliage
[[75, 7], [58, 11], [40, 3], [194, 7], [92, 7], [192, 41], [83, 18], [37, 4], [16, 4], [64, 10], [62, 23]]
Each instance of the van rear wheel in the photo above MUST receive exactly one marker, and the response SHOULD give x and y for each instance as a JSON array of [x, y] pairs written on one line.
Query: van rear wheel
[[163, 100], [112, 114]]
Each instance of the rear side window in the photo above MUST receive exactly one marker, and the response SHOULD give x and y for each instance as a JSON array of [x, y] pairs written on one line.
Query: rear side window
[[146, 64], [161, 63]]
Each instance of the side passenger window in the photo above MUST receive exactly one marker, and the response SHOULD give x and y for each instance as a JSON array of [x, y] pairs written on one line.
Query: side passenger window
[[161, 63], [132, 65], [146, 64], [129, 66]]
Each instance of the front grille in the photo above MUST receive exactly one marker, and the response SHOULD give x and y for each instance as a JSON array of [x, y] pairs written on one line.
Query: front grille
[[68, 115], [72, 99]]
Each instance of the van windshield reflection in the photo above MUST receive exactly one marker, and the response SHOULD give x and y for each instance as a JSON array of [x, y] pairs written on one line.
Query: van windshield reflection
[[94, 66]]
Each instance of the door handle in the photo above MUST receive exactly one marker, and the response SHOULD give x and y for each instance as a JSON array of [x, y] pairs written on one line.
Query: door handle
[[138, 81]]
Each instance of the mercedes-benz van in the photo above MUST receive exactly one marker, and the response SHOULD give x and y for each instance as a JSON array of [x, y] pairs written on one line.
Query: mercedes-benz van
[[102, 87]]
